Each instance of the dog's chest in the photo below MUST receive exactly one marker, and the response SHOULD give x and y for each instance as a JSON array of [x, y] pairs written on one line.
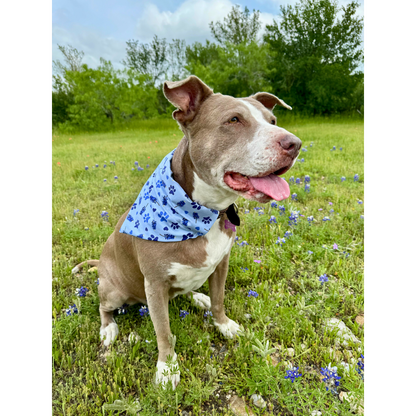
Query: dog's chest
[[190, 278]]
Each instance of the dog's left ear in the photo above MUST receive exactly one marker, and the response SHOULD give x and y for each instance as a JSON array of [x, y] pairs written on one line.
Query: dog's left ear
[[187, 96], [269, 100]]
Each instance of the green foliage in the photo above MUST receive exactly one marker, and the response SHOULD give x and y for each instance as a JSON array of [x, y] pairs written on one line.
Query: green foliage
[[62, 99], [315, 56], [104, 96]]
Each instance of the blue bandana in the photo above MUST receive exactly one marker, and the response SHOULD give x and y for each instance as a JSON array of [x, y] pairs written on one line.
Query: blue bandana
[[163, 211]]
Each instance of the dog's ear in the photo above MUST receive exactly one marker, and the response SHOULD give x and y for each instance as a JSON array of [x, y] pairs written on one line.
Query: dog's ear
[[269, 100], [187, 96]]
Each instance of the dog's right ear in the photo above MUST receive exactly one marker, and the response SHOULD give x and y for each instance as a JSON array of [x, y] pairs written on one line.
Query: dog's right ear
[[187, 96]]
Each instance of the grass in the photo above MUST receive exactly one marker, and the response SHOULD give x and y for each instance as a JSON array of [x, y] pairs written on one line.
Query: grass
[[284, 323]]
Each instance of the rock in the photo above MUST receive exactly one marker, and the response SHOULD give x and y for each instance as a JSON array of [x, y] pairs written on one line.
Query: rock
[[290, 352], [316, 413], [356, 405], [360, 320], [258, 401], [344, 334], [238, 407], [275, 359]]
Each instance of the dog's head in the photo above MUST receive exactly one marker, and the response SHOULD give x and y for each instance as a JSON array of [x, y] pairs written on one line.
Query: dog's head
[[235, 145]]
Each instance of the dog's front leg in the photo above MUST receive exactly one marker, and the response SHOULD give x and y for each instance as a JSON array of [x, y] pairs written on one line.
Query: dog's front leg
[[158, 303], [226, 326]]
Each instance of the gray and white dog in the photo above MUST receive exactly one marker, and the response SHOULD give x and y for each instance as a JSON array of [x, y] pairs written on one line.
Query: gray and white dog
[[231, 147]]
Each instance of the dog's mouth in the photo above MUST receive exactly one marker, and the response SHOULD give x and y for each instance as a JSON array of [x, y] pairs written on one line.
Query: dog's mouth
[[271, 185]]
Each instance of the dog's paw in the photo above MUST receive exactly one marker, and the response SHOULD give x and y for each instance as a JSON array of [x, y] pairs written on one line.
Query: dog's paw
[[201, 300], [229, 330], [109, 333], [164, 373]]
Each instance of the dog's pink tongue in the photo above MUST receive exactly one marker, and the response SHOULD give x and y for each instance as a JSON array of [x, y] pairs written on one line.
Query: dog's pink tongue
[[273, 186]]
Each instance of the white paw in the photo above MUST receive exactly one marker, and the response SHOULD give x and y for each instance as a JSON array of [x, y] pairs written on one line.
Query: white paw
[[229, 330], [164, 373], [109, 333], [201, 300]]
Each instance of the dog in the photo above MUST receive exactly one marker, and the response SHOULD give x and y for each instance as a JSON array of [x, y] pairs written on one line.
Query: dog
[[162, 248]]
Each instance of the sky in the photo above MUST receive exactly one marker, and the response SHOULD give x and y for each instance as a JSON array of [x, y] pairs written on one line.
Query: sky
[[100, 28]]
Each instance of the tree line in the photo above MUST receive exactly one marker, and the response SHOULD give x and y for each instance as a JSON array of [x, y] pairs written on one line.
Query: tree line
[[310, 57]]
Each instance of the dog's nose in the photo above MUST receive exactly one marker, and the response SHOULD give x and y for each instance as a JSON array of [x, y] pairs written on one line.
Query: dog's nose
[[291, 144]]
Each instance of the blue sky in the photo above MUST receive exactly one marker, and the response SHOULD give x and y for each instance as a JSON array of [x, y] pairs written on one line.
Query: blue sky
[[101, 28]]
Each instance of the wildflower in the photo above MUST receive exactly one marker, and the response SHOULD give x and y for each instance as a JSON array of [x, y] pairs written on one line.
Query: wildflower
[[302, 160], [97, 282], [320, 209], [294, 197], [144, 311], [293, 218], [105, 180], [288, 234], [252, 293], [104, 215], [86, 167], [329, 203], [331, 211], [115, 177], [297, 181], [183, 314], [136, 163], [132, 169], [293, 374], [307, 179], [96, 165], [360, 367], [81, 291], [307, 187], [326, 219], [247, 211], [273, 204], [343, 178], [72, 309], [334, 148], [75, 212], [346, 254], [282, 209], [362, 217], [291, 179], [304, 149], [104, 166], [330, 377], [280, 241], [236, 238], [243, 243], [310, 219], [311, 144], [244, 269], [335, 246], [261, 212], [323, 278], [257, 261], [123, 309], [207, 313], [340, 148], [272, 219], [310, 252], [148, 166], [356, 177], [360, 202]]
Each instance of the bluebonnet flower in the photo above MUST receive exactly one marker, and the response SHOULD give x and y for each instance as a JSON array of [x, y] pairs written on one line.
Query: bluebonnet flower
[[360, 366], [244, 269], [75, 212], [148, 166], [310, 219], [115, 177], [282, 209], [331, 211], [334, 148], [86, 167], [343, 178], [105, 180], [294, 197], [257, 208], [307, 179], [243, 243], [291, 179], [304, 149], [139, 168], [104, 166], [144, 311], [311, 144], [293, 218], [323, 278], [310, 252], [123, 309], [272, 219], [302, 160], [360, 202], [96, 165], [97, 282], [132, 168], [247, 211], [326, 219], [81, 291], [297, 181], [362, 217], [356, 177], [72, 309], [261, 212], [207, 313], [340, 148], [183, 314], [136, 163], [252, 293], [280, 241], [273, 204], [346, 254], [330, 378], [293, 374], [307, 187], [288, 234], [104, 215]]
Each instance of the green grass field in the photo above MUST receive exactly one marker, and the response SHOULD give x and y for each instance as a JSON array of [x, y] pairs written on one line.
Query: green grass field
[[284, 323]]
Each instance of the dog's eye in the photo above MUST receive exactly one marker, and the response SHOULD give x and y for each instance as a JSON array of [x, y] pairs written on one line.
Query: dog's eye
[[234, 120], [274, 122]]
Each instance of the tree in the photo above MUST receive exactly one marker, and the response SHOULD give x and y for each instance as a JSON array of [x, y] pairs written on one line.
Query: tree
[[315, 56], [72, 57], [238, 27]]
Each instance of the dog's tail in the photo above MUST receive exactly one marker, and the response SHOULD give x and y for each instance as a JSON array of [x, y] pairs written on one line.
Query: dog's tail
[[78, 267]]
